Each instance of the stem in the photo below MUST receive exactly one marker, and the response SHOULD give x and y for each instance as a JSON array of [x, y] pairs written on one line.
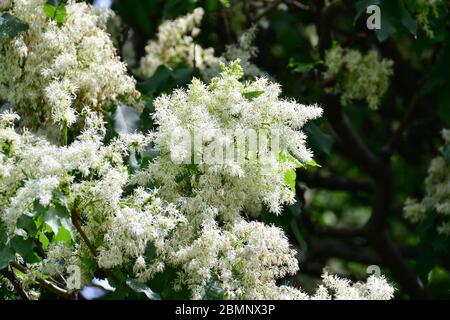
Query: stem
[[267, 10], [46, 284], [65, 134], [76, 220]]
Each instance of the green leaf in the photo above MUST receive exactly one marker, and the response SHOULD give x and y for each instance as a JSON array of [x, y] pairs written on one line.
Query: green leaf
[[57, 217], [425, 262], [388, 25], [213, 290], [362, 5], [290, 177], [250, 95], [61, 14], [286, 157], [27, 223], [313, 163], [49, 10], [165, 80], [300, 67], [43, 240], [11, 27], [225, 3], [150, 252], [3, 236], [57, 12], [394, 17], [298, 235], [163, 284], [24, 247], [142, 288], [63, 236], [6, 256]]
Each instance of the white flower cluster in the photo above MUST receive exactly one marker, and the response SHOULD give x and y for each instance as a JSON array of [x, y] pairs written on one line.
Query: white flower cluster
[[53, 71], [175, 45], [227, 105], [336, 288], [245, 257], [88, 177], [437, 187], [357, 76], [218, 243], [143, 219]]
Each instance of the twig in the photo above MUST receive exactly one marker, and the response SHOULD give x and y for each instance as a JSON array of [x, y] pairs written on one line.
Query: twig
[[354, 145], [76, 221], [266, 10], [297, 4], [46, 284]]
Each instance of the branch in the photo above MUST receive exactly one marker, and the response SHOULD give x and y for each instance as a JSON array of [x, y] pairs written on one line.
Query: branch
[[353, 144], [393, 258], [16, 284], [76, 220], [397, 136], [266, 11], [46, 284], [297, 4]]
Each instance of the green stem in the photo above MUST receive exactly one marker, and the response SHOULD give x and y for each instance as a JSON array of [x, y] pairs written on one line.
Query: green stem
[[65, 134]]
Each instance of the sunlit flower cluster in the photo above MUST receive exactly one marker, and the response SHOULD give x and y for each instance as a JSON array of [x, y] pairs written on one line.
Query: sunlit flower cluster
[[245, 257], [356, 76], [50, 73], [232, 186], [175, 45], [88, 177], [437, 188]]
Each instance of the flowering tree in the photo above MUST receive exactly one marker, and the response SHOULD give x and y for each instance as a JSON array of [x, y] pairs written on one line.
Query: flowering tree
[[196, 152]]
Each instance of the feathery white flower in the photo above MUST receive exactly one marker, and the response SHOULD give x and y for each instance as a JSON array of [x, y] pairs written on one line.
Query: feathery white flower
[[175, 45], [358, 76], [53, 71]]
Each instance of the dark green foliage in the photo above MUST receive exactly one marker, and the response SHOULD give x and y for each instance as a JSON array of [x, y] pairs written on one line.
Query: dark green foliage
[[11, 27]]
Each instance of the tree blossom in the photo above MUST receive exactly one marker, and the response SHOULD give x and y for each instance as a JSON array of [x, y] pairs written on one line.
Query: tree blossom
[[51, 72], [437, 192], [357, 76], [175, 45]]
